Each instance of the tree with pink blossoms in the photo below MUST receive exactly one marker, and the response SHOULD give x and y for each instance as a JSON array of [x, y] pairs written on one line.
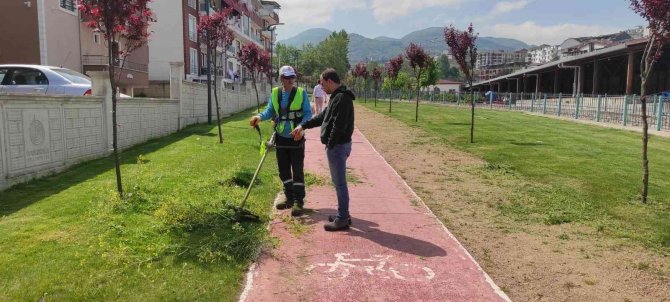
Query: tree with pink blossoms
[[464, 49], [124, 25], [360, 71], [376, 79], [214, 32], [418, 59], [392, 70], [657, 15], [253, 58], [365, 74]]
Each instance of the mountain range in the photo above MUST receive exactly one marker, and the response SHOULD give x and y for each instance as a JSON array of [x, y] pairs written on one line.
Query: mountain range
[[381, 49]]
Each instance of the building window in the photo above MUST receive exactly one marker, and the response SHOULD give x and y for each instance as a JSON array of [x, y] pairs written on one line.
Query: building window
[[245, 25], [193, 61], [96, 38], [203, 59], [192, 4], [203, 7], [192, 28], [70, 5]]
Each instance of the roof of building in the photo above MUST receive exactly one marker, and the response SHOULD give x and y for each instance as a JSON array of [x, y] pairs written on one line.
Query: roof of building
[[447, 82], [536, 69], [617, 37]]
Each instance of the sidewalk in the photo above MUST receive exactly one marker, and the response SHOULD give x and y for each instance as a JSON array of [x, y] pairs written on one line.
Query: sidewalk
[[396, 250]]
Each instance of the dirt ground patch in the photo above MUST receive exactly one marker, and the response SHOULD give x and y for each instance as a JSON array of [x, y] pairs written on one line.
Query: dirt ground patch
[[529, 261]]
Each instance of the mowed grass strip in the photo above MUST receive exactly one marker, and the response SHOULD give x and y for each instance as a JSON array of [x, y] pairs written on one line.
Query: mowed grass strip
[[567, 172], [69, 237]]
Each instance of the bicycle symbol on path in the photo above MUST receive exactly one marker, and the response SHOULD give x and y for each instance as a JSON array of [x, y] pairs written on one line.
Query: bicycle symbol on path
[[378, 265]]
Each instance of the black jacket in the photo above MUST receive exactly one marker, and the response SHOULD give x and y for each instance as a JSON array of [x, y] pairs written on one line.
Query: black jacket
[[337, 121]]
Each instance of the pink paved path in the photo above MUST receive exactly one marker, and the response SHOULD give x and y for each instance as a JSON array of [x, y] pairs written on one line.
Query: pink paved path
[[396, 249]]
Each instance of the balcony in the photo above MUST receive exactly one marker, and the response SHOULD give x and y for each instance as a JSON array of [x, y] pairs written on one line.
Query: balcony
[[247, 37], [269, 16], [133, 74], [96, 60], [242, 9]]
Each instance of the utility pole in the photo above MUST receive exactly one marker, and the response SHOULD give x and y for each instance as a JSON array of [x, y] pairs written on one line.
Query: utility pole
[[209, 74]]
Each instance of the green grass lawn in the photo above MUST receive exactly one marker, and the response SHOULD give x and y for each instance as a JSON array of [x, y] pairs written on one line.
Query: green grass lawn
[[567, 172], [70, 237]]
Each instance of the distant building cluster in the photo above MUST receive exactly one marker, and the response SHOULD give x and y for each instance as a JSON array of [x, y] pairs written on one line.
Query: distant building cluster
[[543, 54], [492, 64]]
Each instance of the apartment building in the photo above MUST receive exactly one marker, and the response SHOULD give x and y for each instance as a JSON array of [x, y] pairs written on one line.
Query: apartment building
[[40, 32], [543, 54], [250, 21], [175, 38], [500, 57], [491, 64]]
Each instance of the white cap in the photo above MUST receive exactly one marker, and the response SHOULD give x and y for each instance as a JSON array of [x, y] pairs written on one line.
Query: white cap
[[286, 71]]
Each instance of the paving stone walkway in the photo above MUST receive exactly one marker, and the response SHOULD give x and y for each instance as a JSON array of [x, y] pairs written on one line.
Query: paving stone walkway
[[396, 249]]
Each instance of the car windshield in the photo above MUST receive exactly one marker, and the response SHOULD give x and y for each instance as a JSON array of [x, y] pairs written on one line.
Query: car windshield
[[72, 76]]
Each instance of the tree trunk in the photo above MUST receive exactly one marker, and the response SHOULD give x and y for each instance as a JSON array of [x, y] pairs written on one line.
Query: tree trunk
[[375, 96], [645, 142], [390, 100], [258, 99], [418, 88], [472, 116], [216, 100], [115, 130]]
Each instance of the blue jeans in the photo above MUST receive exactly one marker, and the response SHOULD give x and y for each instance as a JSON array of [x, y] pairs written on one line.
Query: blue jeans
[[337, 161]]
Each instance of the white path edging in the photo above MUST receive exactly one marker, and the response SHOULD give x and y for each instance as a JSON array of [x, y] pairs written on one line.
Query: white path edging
[[252, 272]]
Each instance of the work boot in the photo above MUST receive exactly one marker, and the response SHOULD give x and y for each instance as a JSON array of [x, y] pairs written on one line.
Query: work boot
[[336, 225], [284, 205], [288, 203], [331, 218], [297, 209]]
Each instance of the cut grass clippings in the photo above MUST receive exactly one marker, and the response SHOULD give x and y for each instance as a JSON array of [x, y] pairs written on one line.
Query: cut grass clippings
[[566, 172], [69, 237]]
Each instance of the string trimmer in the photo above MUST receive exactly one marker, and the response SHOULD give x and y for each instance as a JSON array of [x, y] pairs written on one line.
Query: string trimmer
[[239, 212]]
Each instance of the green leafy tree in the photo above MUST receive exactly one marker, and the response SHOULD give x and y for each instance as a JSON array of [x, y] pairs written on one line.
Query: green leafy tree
[[334, 52], [445, 68], [454, 73], [311, 60], [432, 74], [286, 55]]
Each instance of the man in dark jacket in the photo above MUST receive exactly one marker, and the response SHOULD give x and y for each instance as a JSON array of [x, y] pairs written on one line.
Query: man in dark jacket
[[337, 126]]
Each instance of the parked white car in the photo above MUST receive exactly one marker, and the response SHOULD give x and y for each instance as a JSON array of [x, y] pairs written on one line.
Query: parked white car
[[38, 79]]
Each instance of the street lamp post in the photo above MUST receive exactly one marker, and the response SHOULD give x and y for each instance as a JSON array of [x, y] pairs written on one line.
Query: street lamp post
[[271, 28]]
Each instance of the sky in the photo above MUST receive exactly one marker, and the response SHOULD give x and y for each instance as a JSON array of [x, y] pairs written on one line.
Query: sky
[[532, 21]]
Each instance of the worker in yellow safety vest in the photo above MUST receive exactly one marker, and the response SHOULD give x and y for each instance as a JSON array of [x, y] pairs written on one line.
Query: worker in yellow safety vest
[[288, 108]]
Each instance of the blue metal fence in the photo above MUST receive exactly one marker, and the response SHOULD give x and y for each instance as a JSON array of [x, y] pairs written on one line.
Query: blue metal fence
[[613, 109]]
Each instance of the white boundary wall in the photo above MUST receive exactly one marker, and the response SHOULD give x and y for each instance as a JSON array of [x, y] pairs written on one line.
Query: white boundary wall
[[41, 135]]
